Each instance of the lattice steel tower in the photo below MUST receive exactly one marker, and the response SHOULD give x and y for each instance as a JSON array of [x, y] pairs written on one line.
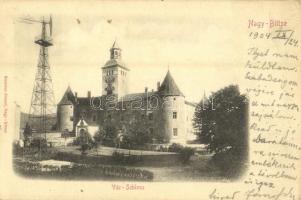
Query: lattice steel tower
[[42, 105]]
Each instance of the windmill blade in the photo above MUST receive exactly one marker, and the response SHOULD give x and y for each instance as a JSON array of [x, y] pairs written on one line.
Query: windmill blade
[[24, 21], [50, 25], [30, 20]]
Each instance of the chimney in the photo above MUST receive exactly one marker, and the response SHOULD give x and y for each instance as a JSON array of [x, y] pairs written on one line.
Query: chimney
[[158, 85], [75, 95], [89, 94], [145, 89]]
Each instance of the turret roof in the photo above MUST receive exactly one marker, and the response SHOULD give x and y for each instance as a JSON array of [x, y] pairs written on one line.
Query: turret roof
[[68, 98], [169, 87]]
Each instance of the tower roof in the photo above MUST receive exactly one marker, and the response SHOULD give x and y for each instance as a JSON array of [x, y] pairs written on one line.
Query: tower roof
[[115, 62], [169, 87], [115, 57], [68, 98]]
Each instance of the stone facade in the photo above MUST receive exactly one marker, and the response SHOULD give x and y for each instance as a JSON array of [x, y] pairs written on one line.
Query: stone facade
[[164, 113]]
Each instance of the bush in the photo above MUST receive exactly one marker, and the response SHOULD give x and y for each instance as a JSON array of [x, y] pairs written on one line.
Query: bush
[[229, 162], [84, 148], [39, 142], [82, 171], [125, 159], [85, 141], [175, 147], [186, 153], [108, 142], [118, 157]]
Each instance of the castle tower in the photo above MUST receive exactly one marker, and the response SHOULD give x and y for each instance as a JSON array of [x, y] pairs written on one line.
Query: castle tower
[[173, 115], [65, 111], [115, 76]]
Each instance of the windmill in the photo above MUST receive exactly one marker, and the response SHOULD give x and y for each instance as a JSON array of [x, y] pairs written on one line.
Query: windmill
[[42, 101]]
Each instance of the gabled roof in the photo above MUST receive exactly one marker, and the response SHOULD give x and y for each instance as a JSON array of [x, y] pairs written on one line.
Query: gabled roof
[[68, 98], [81, 123], [169, 87]]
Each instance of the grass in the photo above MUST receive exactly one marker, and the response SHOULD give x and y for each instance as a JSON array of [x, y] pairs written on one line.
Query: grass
[[198, 169], [108, 151]]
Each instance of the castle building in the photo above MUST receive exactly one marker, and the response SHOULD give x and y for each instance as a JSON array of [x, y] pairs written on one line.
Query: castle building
[[164, 114]]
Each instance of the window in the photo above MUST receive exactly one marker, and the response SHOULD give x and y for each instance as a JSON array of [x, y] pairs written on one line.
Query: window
[[110, 72], [175, 131], [151, 131], [71, 118], [174, 115], [94, 118], [150, 116]]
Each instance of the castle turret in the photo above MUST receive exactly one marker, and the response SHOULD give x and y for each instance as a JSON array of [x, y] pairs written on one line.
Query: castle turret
[[172, 111], [115, 75], [65, 111]]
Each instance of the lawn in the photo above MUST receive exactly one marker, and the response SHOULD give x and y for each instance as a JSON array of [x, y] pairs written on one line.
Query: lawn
[[198, 169], [108, 151]]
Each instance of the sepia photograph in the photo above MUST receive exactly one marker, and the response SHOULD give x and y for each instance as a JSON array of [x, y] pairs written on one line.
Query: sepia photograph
[[150, 100], [118, 133]]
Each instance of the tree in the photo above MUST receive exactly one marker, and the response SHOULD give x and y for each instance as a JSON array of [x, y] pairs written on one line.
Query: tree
[[27, 132], [84, 140], [138, 135], [221, 121], [98, 138]]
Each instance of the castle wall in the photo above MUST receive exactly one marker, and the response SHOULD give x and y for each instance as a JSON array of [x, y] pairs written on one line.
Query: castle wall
[[65, 117], [109, 73], [167, 119], [190, 133], [172, 119], [122, 82], [87, 112]]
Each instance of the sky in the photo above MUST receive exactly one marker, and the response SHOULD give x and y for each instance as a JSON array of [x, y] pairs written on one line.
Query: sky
[[199, 48]]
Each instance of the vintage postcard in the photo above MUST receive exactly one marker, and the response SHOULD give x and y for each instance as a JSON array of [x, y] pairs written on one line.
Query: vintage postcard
[[150, 100]]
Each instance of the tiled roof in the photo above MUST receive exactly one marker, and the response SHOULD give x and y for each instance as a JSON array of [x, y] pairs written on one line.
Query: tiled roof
[[115, 62], [135, 96], [86, 100], [169, 87]]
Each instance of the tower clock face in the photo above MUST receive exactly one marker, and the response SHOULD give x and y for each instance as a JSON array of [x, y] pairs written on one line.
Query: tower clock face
[[109, 80]]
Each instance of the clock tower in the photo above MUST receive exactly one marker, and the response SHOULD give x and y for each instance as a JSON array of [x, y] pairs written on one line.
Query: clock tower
[[115, 75]]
